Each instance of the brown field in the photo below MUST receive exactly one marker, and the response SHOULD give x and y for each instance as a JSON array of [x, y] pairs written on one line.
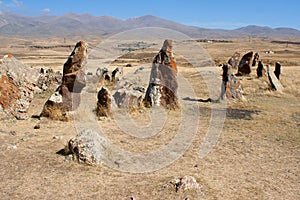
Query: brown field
[[257, 155]]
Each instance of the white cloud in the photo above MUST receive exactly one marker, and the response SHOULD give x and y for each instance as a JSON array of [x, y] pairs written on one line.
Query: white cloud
[[1, 2], [46, 10], [17, 3]]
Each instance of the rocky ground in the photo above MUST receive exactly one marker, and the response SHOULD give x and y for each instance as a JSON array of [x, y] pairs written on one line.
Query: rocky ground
[[255, 157]]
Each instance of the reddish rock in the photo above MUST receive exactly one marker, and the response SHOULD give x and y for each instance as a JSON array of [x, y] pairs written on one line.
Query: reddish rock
[[234, 60], [162, 88], [234, 88], [104, 103], [67, 96], [17, 87], [245, 64]]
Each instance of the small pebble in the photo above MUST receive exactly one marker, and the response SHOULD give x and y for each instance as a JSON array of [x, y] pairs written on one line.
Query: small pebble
[[12, 146], [13, 133], [57, 137], [37, 126]]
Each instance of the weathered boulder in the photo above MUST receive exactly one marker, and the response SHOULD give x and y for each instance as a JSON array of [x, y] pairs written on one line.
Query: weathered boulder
[[87, 147], [185, 183], [129, 97], [234, 60], [67, 96], [48, 79], [245, 63], [255, 59], [104, 103], [17, 87], [162, 88]]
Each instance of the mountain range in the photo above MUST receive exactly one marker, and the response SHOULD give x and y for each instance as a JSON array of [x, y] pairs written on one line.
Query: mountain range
[[72, 24]]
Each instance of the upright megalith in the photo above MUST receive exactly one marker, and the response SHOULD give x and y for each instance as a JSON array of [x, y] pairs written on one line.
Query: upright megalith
[[162, 88], [245, 63], [104, 103], [67, 96], [274, 82], [260, 70], [231, 86], [225, 79], [277, 70], [255, 59], [116, 74], [234, 60]]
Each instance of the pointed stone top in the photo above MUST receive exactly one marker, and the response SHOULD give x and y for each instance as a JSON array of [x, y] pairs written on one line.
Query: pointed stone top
[[167, 46]]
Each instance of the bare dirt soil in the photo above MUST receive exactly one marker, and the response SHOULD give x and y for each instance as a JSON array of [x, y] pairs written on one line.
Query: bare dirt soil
[[257, 155]]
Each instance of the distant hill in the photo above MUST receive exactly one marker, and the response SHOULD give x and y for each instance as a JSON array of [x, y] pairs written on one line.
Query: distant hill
[[72, 24]]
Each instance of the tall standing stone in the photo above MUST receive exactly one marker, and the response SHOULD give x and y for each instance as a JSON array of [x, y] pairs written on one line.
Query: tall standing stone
[[277, 70], [275, 83], [245, 63], [234, 60], [255, 59], [231, 87], [162, 88], [225, 79], [260, 70], [67, 96]]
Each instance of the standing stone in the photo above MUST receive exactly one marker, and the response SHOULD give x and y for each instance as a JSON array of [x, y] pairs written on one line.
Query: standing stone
[[260, 70], [234, 60], [104, 77], [117, 74], [104, 103], [225, 79], [162, 88], [67, 96], [255, 59], [275, 83], [245, 63], [277, 70], [231, 86]]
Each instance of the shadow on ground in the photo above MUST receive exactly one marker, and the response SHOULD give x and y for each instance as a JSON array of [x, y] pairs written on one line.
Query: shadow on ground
[[231, 113]]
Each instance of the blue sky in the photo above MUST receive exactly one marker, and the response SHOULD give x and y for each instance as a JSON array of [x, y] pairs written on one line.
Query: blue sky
[[228, 14]]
